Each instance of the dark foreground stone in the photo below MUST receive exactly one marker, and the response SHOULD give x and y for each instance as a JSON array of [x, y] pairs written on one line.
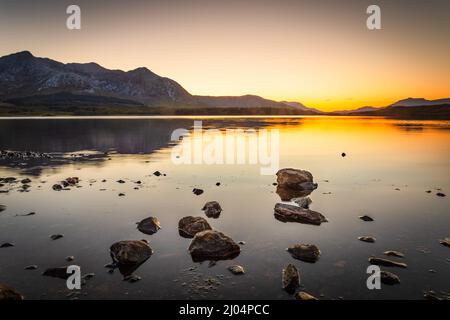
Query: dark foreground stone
[[213, 245], [290, 279], [149, 225], [7, 293], [305, 252], [212, 209], [189, 226], [289, 213]]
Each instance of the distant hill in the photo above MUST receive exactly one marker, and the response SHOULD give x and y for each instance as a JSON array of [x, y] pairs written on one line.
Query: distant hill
[[31, 84], [417, 102], [410, 112]]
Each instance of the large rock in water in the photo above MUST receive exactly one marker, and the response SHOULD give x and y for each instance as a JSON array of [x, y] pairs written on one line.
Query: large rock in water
[[149, 225], [212, 209], [213, 245], [290, 278], [289, 213], [130, 251], [7, 293], [295, 179], [305, 252], [189, 226]]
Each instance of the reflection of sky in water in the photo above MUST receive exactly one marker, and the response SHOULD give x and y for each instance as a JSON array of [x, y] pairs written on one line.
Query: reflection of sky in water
[[381, 155]]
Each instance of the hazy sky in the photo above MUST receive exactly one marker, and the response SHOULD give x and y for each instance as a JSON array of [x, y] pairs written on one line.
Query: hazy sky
[[317, 52]]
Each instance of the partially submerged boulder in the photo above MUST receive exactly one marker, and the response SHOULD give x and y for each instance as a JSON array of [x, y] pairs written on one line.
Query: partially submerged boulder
[[59, 272], [290, 279], [369, 239], [128, 255], [149, 225], [236, 269], [392, 253], [305, 252], [212, 209], [295, 179], [289, 213], [189, 226], [213, 245], [7, 293]]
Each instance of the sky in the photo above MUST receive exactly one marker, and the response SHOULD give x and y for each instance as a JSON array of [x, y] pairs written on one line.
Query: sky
[[317, 52]]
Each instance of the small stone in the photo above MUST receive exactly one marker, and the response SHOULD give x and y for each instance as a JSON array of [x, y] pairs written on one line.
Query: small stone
[[236, 269], [440, 194], [120, 181], [304, 296], [213, 245], [289, 213], [70, 258], [366, 218], [290, 279], [217, 183], [367, 239], [157, 173], [60, 273], [149, 225], [197, 192], [25, 181], [121, 194], [305, 252], [130, 252], [303, 202], [6, 245], [343, 154], [241, 243], [57, 187], [31, 267], [393, 253], [56, 236], [389, 278]]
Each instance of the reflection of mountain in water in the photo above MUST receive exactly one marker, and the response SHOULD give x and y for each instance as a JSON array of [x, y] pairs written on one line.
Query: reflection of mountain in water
[[60, 137]]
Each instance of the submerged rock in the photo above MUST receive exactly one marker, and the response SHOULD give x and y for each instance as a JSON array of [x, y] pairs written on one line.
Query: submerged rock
[[2, 207], [289, 213], [389, 278], [189, 226], [386, 262], [236, 269], [366, 218], [213, 245], [445, 242], [295, 179], [197, 192], [149, 225], [303, 202], [7, 293], [304, 296], [305, 252], [212, 209], [130, 252], [393, 253], [367, 239], [290, 279]]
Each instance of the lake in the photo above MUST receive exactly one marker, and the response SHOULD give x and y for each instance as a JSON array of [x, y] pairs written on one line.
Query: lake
[[388, 168]]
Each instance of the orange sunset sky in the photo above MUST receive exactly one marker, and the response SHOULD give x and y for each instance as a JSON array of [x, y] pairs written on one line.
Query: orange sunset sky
[[317, 52]]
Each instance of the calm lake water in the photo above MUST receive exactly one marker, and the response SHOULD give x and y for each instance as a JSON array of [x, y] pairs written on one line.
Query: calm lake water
[[389, 166]]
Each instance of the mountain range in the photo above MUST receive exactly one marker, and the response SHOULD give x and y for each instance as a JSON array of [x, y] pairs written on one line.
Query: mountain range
[[30, 84]]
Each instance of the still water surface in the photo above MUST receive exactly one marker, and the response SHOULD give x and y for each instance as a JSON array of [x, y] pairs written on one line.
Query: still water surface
[[390, 164]]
